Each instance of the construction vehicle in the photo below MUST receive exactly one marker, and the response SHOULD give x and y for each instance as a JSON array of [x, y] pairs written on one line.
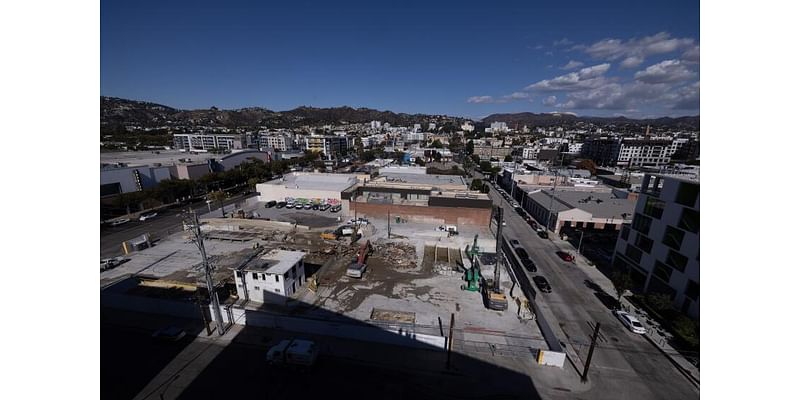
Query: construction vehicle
[[473, 274], [331, 234], [493, 296], [359, 265], [293, 352]]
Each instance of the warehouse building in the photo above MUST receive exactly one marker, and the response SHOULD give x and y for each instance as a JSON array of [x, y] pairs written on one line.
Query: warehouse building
[[580, 208]]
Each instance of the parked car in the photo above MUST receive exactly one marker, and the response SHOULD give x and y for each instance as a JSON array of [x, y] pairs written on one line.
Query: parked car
[[109, 263], [307, 206], [521, 253], [315, 207], [630, 322], [336, 209], [280, 204], [270, 204], [514, 243], [120, 221], [529, 265], [324, 207], [298, 206], [542, 283], [542, 234], [145, 217], [169, 334], [565, 256]]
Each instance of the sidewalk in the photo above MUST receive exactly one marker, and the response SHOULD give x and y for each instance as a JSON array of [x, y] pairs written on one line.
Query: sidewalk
[[659, 340]]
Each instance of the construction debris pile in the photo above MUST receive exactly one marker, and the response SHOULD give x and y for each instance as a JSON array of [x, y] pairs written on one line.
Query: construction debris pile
[[396, 254]]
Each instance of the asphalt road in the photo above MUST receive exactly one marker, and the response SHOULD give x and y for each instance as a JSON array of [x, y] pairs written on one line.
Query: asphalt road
[[624, 365], [167, 222]]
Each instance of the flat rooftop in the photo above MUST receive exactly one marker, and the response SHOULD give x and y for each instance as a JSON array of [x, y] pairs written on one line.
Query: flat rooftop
[[276, 262], [315, 181], [164, 157], [602, 204], [420, 179]]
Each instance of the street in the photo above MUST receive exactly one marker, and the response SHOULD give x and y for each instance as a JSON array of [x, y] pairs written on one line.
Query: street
[[624, 365], [167, 222]]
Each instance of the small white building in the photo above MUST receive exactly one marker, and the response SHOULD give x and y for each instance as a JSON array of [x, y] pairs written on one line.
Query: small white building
[[272, 278]]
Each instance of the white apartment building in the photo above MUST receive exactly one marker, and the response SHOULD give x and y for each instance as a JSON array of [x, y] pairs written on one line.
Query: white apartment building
[[415, 136], [280, 142], [272, 278], [661, 248], [375, 124], [575, 148], [498, 127], [202, 142], [467, 127], [530, 153], [645, 152], [431, 126]]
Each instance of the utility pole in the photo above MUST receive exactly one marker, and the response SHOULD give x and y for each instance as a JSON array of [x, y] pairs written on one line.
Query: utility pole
[[552, 195], [580, 242], [450, 338], [591, 351], [499, 245], [194, 224], [388, 225]]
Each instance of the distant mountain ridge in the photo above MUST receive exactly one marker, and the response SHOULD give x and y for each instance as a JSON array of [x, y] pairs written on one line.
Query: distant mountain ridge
[[117, 112], [550, 119]]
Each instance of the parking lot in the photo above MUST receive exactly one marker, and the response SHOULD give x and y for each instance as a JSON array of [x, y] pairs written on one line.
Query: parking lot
[[311, 218]]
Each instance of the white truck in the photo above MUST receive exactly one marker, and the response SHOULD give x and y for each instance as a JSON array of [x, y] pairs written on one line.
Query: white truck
[[293, 352]]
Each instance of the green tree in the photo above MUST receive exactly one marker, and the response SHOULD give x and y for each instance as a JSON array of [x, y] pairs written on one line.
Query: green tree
[[622, 282], [437, 144], [470, 148], [218, 197], [508, 158], [485, 166], [419, 161]]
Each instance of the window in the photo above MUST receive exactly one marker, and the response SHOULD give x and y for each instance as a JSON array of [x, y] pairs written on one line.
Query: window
[[687, 194], [277, 278], [238, 274], [633, 253], [255, 276], [662, 271], [626, 230], [643, 242], [654, 207], [257, 288], [673, 237], [641, 223], [277, 290], [690, 220], [677, 261], [692, 290]]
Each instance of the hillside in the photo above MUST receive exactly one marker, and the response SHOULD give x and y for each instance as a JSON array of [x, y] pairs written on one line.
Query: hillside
[[531, 119]]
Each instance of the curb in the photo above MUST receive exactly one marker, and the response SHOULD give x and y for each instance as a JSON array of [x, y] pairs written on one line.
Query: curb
[[677, 366]]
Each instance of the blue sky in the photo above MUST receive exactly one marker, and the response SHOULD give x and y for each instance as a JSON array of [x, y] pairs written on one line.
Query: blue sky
[[633, 58]]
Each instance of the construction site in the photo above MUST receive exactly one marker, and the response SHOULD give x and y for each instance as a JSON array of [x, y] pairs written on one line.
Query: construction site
[[408, 278]]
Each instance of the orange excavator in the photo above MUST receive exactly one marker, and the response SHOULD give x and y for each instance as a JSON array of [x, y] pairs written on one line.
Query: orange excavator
[[359, 265]]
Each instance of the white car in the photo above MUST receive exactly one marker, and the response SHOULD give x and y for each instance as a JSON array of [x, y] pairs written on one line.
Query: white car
[[118, 222], [630, 322], [145, 217]]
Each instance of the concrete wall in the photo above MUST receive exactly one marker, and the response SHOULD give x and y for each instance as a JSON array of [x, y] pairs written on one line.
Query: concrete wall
[[393, 335], [437, 215]]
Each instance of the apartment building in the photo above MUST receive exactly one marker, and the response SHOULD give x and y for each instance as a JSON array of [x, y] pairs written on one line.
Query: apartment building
[[277, 141], [661, 247], [202, 142], [329, 145]]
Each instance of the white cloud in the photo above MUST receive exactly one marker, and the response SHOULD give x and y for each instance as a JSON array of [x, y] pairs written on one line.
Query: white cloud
[[480, 99], [586, 78], [518, 96], [572, 64], [665, 72], [615, 96], [692, 55], [684, 98], [634, 51], [562, 42], [550, 101]]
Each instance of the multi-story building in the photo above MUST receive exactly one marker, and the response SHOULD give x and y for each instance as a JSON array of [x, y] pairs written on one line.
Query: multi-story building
[[487, 152], [280, 142], [575, 148], [529, 153], [467, 127], [207, 141], [640, 152], [661, 248], [604, 151], [329, 145], [498, 127], [273, 278], [415, 136]]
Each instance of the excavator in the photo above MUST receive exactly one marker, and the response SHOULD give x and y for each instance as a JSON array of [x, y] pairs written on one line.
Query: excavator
[[359, 265]]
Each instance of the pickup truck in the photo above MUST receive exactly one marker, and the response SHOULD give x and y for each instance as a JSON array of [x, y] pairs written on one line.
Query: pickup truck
[[293, 352]]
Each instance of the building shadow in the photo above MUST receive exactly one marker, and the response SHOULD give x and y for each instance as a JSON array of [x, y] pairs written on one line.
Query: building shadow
[[358, 359]]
